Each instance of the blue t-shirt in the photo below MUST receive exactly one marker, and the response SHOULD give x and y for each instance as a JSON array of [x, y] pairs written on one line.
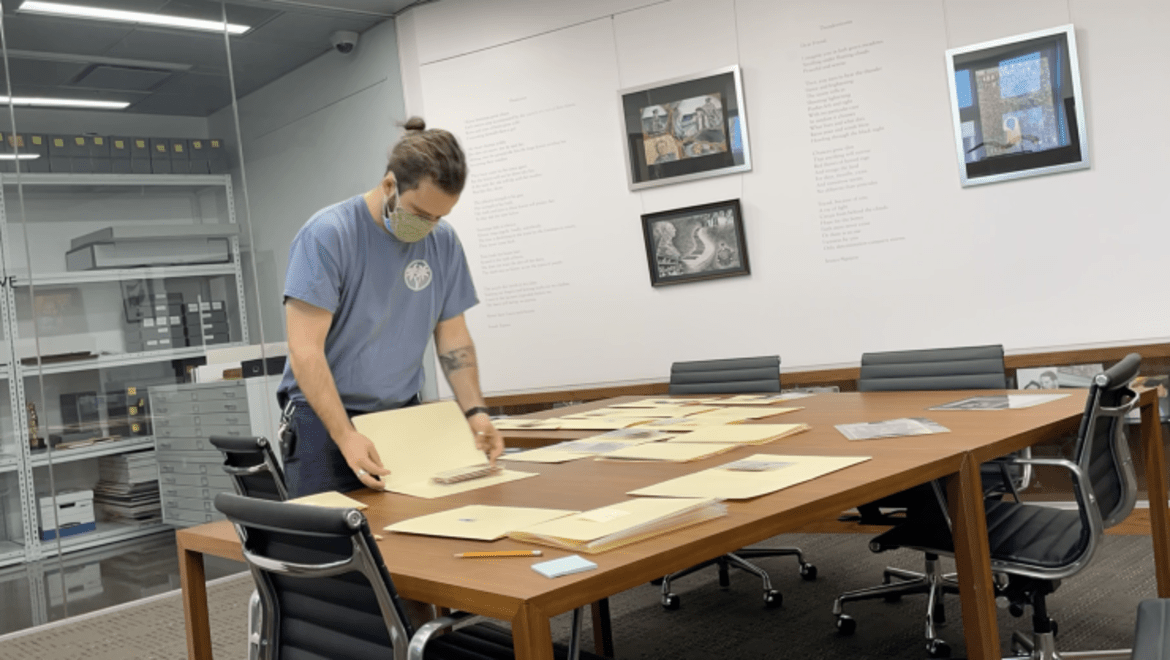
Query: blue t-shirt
[[385, 295]]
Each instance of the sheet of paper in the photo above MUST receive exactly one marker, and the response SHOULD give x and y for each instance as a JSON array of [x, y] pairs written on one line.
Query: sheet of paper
[[735, 414], [478, 522], [522, 424], [740, 433], [331, 499], [670, 451], [685, 423], [890, 428], [599, 423], [430, 490], [415, 443], [721, 483], [585, 526], [634, 433]]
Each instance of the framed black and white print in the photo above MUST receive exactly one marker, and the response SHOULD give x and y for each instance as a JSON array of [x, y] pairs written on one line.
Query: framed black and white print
[[1017, 108], [695, 243], [684, 129]]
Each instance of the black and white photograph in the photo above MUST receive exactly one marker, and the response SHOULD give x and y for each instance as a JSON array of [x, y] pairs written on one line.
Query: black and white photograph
[[1017, 109], [695, 243], [685, 129], [1051, 378]]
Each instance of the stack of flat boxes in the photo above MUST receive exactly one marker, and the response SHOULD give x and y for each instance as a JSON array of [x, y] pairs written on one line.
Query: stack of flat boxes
[[156, 325], [206, 322], [101, 154], [190, 468]]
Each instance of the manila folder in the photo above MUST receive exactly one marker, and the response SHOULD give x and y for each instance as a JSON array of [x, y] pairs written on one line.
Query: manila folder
[[620, 524], [418, 442], [479, 522]]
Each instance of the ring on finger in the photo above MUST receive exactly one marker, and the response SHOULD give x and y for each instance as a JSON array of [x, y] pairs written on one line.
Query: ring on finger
[[361, 472]]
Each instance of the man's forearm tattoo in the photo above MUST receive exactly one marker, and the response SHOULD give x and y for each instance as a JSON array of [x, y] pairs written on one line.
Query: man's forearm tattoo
[[459, 358]]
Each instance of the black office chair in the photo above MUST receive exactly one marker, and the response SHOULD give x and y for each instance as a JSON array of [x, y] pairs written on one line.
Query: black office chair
[[251, 462], [327, 593], [255, 472], [974, 367], [1036, 546], [732, 376]]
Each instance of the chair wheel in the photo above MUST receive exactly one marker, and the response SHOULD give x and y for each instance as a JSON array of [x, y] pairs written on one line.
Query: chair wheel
[[671, 602], [1016, 610], [846, 625], [772, 598], [808, 572], [938, 649]]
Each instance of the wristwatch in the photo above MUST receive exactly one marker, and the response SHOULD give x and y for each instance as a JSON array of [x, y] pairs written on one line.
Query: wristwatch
[[475, 410]]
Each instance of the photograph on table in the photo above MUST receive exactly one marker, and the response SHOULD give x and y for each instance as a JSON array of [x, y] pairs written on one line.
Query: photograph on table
[[695, 243], [1016, 104], [684, 129]]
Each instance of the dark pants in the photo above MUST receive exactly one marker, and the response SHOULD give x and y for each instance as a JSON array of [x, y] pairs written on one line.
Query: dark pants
[[316, 464]]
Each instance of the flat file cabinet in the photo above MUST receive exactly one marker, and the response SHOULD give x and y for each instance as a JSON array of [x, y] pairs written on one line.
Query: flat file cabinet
[[190, 469]]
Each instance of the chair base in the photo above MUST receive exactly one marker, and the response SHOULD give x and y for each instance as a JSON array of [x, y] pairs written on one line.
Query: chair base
[[772, 597], [930, 582], [1042, 646]]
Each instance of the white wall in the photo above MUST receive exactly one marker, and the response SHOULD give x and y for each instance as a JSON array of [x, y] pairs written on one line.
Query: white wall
[[1027, 263]]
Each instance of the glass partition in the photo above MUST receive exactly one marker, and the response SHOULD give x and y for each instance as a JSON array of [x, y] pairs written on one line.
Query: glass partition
[[128, 298]]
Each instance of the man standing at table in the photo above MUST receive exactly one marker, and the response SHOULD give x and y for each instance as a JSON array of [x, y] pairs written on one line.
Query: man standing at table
[[369, 280]]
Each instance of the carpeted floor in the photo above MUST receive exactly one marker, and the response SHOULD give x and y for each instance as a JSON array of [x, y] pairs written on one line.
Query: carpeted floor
[[1095, 610]]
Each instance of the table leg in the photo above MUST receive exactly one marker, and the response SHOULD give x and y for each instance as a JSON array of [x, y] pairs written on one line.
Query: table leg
[[194, 584], [1157, 492], [602, 631], [973, 561], [532, 635]]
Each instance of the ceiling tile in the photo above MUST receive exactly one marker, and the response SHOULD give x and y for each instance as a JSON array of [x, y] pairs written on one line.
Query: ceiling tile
[[35, 72], [306, 30], [113, 77], [61, 35], [201, 50]]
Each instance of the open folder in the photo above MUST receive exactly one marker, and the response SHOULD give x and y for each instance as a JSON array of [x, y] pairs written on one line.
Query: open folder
[[478, 522], [620, 524], [418, 442], [754, 476]]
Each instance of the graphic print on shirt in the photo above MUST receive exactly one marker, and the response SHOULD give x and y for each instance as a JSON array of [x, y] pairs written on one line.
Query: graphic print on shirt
[[417, 275]]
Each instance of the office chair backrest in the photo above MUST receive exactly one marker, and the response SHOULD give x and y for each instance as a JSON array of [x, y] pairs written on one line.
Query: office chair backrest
[[968, 368], [252, 465], [1102, 451], [326, 590], [731, 376]]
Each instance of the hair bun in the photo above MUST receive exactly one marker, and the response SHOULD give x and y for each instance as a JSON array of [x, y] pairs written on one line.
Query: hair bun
[[415, 124]]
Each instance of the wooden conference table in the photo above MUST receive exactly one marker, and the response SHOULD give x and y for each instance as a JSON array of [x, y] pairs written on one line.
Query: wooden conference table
[[424, 569]]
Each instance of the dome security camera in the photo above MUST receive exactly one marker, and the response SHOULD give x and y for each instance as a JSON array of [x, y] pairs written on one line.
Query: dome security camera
[[344, 41]]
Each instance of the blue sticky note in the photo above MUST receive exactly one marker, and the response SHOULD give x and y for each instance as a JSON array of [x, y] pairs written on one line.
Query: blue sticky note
[[563, 566]]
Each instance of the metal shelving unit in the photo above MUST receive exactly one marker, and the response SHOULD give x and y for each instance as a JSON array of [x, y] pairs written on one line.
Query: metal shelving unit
[[123, 360], [119, 274], [106, 180], [216, 204], [93, 451]]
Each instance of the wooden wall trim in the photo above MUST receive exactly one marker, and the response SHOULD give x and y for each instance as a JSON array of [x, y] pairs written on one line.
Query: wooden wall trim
[[833, 376]]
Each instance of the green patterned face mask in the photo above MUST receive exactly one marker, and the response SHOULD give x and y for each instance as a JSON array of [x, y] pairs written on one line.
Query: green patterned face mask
[[406, 226]]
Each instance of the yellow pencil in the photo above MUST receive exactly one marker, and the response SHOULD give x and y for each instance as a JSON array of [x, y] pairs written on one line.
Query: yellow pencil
[[499, 553]]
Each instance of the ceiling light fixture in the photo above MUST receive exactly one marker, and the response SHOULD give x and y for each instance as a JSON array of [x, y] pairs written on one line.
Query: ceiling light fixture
[[19, 156], [122, 16], [64, 103]]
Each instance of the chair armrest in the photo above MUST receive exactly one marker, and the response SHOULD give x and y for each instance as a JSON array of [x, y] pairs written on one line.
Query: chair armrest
[[422, 637], [1090, 512]]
